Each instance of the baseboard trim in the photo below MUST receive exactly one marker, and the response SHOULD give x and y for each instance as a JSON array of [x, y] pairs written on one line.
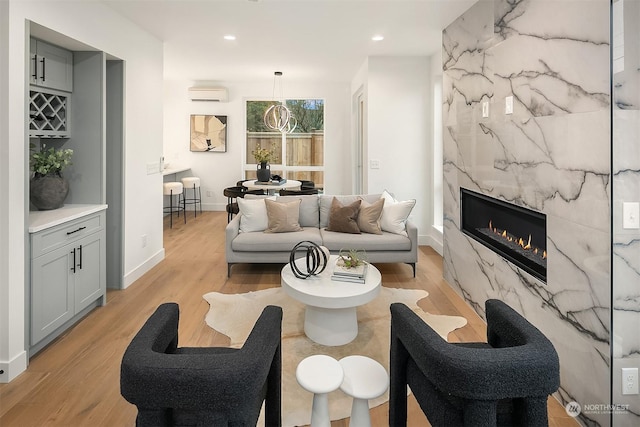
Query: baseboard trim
[[435, 240], [140, 270], [14, 367], [214, 207]]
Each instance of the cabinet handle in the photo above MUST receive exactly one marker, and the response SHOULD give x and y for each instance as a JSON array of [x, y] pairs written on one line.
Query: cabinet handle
[[35, 67], [74, 260], [80, 250], [75, 231], [43, 72]]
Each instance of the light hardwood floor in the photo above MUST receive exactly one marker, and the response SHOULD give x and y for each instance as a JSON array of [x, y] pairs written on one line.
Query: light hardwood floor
[[75, 380]]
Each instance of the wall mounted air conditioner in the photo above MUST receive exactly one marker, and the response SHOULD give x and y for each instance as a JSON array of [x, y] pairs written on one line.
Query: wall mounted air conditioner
[[208, 94]]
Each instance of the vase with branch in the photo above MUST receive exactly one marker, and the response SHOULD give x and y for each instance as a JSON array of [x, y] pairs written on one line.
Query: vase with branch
[[263, 156]]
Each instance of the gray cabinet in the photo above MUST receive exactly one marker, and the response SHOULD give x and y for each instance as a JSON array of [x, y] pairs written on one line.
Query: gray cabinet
[[67, 275], [50, 66]]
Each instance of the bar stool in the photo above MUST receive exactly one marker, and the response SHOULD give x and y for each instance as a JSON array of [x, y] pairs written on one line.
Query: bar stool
[[174, 189], [192, 183]]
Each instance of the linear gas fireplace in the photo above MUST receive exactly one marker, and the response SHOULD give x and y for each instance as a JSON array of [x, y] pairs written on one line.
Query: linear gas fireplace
[[516, 233]]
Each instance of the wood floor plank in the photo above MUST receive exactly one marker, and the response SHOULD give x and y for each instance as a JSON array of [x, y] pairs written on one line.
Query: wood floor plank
[[75, 381]]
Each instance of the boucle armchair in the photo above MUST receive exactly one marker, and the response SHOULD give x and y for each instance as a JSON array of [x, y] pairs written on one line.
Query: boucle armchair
[[503, 382], [210, 386]]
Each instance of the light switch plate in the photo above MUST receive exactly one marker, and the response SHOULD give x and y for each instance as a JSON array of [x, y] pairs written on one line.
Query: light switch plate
[[629, 380], [485, 109], [153, 168], [508, 105], [631, 215], [374, 164]]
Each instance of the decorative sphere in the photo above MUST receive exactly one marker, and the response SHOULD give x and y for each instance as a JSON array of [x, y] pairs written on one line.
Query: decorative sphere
[[316, 259]]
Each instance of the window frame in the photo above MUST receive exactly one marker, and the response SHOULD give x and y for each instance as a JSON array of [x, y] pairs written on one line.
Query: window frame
[[284, 169]]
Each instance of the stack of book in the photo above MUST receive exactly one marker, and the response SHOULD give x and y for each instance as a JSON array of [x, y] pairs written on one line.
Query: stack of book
[[271, 182], [351, 274]]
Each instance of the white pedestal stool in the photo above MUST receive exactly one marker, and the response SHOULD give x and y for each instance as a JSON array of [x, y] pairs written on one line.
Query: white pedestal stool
[[192, 183], [364, 379], [172, 189], [319, 374]]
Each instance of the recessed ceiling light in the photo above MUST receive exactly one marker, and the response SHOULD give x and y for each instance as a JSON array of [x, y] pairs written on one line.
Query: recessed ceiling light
[[229, 37], [377, 38]]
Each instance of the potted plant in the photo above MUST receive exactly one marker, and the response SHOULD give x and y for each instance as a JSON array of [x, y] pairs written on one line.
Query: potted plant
[[263, 156], [48, 188], [352, 258]]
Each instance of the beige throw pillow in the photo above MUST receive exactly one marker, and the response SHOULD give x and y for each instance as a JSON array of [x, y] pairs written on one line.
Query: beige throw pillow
[[369, 217], [283, 217], [343, 219]]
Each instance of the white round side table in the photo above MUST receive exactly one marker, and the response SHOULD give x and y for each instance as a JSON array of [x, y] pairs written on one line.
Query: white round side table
[[364, 379], [319, 374]]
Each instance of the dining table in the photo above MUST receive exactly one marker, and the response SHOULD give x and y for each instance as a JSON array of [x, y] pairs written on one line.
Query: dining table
[[272, 187]]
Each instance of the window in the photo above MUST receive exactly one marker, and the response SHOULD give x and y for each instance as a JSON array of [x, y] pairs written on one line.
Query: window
[[298, 155]]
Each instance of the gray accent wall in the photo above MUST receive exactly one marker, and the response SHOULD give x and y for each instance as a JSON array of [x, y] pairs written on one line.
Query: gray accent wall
[[552, 155]]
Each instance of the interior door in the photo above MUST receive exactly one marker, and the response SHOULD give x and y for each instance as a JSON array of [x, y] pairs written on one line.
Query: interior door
[[359, 148]]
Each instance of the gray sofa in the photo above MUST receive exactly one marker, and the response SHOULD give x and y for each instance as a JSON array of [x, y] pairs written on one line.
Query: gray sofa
[[261, 247]]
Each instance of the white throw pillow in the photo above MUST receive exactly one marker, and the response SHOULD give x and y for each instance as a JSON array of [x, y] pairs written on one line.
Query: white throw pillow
[[253, 214], [395, 214]]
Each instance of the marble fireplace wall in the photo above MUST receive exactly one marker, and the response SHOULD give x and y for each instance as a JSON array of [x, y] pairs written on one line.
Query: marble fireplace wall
[[626, 188], [551, 155]]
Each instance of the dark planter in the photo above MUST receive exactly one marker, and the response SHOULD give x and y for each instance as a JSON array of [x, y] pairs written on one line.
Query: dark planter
[[264, 172], [48, 192]]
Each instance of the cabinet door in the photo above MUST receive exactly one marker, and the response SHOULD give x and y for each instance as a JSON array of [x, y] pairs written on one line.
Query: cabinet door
[[90, 278], [54, 67], [52, 302]]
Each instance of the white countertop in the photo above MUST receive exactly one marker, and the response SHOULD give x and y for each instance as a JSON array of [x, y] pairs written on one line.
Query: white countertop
[[41, 220], [174, 169]]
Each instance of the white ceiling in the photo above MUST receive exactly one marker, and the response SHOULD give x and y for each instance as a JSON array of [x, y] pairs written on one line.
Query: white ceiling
[[322, 40]]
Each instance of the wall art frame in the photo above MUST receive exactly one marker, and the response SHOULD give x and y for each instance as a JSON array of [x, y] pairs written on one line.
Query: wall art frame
[[208, 133]]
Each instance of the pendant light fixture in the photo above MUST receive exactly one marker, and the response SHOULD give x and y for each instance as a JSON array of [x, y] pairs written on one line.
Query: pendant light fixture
[[278, 116]]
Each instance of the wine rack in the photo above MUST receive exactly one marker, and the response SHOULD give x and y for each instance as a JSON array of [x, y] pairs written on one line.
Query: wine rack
[[48, 114]]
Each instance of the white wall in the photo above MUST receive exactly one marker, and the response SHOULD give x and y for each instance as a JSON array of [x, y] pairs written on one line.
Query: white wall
[[220, 170], [399, 132], [143, 138], [435, 232]]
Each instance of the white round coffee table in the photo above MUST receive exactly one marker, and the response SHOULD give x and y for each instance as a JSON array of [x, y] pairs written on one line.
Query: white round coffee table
[[330, 316]]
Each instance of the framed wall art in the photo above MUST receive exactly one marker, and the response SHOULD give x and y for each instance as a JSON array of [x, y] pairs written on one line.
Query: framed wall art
[[208, 133]]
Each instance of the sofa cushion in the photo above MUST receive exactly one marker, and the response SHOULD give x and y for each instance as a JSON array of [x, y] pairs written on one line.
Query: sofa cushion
[[395, 214], [343, 218], [309, 213], [253, 214], [325, 204], [369, 242], [274, 242], [369, 217], [282, 217]]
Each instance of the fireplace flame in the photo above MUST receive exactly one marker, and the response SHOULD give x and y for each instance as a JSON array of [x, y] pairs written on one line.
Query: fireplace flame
[[520, 241]]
